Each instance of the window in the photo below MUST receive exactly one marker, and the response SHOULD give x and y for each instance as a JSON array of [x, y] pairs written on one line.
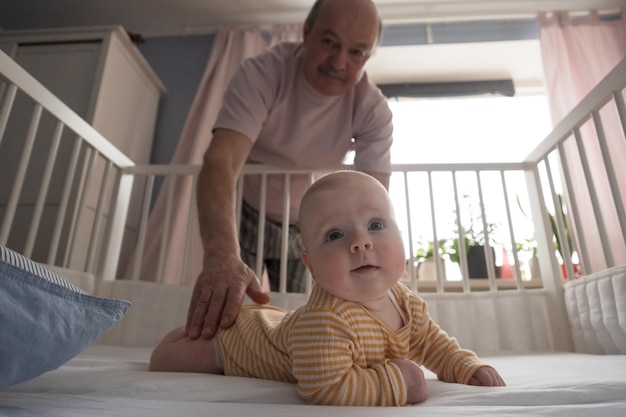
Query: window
[[468, 129], [465, 130]]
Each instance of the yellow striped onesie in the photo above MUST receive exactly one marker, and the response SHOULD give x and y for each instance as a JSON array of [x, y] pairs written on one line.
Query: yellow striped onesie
[[339, 353]]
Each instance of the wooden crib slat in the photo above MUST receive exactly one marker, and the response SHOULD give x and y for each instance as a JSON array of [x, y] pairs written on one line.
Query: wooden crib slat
[[569, 185], [438, 271], [85, 179], [18, 184], [621, 109], [95, 227], [261, 227], [143, 226], [43, 190], [488, 254], [64, 202], [612, 179], [560, 222], [610, 172], [407, 202], [5, 110], [284, 244], [171, 184], [461, 237], [107, 268], [192, 213], [513, 240]]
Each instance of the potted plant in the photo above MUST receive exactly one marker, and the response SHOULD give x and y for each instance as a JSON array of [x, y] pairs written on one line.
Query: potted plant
[[474, 242], [528, 251], [555, 231], [425, 256], [556, 240], [558, 244]]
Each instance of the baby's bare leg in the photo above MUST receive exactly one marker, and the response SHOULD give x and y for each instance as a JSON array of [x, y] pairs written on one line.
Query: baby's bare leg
[[178, 353]]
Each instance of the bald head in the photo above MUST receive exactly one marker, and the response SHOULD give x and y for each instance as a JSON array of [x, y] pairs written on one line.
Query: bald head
[[340, 6], [339, 185]]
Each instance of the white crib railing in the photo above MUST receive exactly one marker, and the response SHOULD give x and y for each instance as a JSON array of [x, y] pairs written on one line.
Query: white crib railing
[[417, 187], [66, 193], [63, 194], [496, 193]]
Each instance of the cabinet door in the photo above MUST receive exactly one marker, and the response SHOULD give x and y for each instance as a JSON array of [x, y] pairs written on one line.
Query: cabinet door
[[127, 103], [103, 78], [68, 70]]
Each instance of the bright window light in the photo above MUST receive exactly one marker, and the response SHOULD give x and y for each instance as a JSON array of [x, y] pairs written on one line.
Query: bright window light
[[469, 129]]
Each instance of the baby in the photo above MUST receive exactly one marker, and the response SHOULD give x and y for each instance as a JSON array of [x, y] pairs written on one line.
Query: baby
[[361, 337]]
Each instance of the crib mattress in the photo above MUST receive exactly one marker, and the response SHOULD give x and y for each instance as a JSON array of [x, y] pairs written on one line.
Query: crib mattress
[[113, 380]]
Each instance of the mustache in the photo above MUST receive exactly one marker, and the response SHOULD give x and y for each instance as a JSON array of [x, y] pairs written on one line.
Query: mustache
[[339, 75]]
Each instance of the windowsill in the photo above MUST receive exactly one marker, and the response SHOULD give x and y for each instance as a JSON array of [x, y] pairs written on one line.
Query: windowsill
[[476, 285]]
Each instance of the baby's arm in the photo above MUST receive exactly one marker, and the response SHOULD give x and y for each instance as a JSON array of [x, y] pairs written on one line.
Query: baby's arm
[[413, 379], [486, 376]]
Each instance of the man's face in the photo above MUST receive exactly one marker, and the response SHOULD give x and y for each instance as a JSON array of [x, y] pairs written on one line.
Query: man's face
[[338, 45]]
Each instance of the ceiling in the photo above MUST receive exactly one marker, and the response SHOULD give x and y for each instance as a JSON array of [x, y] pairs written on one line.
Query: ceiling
[[519, 60], [159, 17]]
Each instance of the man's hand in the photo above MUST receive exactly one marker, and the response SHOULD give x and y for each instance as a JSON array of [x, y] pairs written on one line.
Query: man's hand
[[487, 377], [218, 295]]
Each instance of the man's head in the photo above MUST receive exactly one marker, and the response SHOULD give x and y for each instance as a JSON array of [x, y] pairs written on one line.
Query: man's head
[[353, 246], [339, 37]]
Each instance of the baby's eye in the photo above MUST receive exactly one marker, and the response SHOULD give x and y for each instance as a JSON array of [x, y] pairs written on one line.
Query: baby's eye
[[334, 236], [376, 225]]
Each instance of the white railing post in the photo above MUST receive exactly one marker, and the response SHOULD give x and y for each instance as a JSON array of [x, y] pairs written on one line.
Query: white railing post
[[115, 234]]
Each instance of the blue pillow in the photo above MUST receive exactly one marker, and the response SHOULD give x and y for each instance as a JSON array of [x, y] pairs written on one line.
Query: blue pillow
[[45, 320]]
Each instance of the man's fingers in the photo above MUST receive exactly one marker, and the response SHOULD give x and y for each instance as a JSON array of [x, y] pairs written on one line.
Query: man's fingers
[[212, 311], [256, 293], [233, 301], [199, 318], [216, 304], [192, 327]]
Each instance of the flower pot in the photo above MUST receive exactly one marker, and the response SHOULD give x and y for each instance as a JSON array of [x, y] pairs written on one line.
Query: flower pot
[[427, 271], [476, 263], [535, 271]]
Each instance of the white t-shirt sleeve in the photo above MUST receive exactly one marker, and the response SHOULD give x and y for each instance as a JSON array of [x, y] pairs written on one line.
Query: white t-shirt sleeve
[[247, 101], [373, 133]]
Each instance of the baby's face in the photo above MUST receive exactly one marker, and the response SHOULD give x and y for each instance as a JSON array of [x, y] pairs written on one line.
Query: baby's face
[[353, 246]]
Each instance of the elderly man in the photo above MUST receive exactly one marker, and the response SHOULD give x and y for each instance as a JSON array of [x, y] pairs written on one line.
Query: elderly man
[[297, 105]]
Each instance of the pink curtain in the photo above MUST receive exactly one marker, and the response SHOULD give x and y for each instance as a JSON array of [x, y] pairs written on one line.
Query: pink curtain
[[169, 222], [577, 53]]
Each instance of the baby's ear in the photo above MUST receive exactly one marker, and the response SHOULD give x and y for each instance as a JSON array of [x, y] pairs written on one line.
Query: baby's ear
[[306, 260]]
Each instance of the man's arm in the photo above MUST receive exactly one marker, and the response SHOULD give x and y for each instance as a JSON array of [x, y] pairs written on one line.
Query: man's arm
[[225, 278]]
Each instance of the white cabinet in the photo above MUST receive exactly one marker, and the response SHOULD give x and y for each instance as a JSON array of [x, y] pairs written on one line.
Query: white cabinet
[[102, 76]]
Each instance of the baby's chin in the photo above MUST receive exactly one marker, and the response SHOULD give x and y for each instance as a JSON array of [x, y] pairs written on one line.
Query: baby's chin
[[363, 295]]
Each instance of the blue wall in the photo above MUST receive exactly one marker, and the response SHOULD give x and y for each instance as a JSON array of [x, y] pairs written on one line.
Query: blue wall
[[179, 62]]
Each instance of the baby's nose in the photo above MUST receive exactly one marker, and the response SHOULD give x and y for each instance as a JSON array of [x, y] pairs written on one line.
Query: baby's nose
[[361, 243]]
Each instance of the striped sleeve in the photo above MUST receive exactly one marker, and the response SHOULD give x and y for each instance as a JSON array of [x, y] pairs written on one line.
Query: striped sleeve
[[437, 351], [325, 351]]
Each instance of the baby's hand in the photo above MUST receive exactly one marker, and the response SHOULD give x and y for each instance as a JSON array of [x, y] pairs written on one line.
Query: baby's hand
[[414, 380], [487, 377]]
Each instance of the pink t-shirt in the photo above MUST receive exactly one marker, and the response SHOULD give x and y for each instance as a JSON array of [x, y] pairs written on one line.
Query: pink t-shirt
[[292, 125]]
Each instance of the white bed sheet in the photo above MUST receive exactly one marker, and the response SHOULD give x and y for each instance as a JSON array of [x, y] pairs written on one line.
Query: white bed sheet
[[113, 380]]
